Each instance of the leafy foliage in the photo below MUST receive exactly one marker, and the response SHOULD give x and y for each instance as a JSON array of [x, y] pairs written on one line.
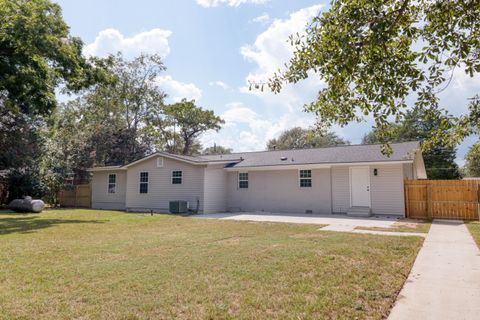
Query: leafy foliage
[[190, 121], [217, 150], [372, 55], [105, 125], [37, 54], [418, 126], [472, 158], [299, 138]]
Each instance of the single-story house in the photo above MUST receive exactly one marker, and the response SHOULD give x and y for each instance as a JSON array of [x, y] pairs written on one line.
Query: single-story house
[[352, 179]]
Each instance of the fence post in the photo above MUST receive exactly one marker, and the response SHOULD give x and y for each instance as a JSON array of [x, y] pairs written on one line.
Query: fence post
[[407, 213], [478, 202], [429, 201]]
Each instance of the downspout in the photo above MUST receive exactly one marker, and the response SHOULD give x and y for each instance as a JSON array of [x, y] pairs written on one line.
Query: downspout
[[331, 190]]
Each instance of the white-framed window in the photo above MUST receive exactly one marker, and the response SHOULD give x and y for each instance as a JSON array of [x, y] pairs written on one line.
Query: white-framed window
[[305, 178], [143, 186], [159, 162], [112, 183], [177, 176], [243, 180]]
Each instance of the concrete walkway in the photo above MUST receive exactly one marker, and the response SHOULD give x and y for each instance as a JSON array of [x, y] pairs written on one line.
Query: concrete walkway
[[445, 279]]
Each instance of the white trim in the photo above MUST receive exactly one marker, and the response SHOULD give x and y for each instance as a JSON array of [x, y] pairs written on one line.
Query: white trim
[[171, 177], [200, 162], [238, 180], [369, 184], [139, 182], [158, 161], [299, 178], [313, 166], [109, 168], [108, 183]]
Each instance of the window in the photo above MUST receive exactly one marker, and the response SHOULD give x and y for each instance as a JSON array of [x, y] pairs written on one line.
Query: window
[[143, 182], [305, 178], [159, 162], [176, 177], [112, 183], [243, 180]]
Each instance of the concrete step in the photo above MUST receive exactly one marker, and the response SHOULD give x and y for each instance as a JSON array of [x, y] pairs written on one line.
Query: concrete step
[[359, 212]]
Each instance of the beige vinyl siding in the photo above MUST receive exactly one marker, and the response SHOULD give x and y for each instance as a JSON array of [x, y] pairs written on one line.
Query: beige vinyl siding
[[279, 191], [340, 189], [386, 190], [101, 199], [160, 188], [215, 186]]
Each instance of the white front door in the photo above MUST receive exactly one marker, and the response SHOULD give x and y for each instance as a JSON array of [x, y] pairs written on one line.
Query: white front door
[[360, 186]]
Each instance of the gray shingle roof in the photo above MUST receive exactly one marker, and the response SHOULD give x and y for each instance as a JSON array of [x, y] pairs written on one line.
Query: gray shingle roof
[[328, 155]]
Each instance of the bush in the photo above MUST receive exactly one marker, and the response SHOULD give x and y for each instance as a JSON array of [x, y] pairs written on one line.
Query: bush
[[22, 184]]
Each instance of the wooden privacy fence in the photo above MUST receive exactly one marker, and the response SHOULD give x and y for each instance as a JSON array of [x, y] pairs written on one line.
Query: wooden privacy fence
[[442, 199], [76, 196]]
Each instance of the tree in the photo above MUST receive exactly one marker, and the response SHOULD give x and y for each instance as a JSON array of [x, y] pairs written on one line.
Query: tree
[[37, 54], [180, 124], [472, 158], [106, 125], [217, 150], [299, 138], [372, 55], [417, 126]]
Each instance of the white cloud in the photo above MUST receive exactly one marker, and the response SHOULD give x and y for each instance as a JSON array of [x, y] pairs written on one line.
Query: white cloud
[[220, 84], [272, 48], [177, 90], [270, 51], [246, 130], [110, 41], [230, 3], [262, 19]]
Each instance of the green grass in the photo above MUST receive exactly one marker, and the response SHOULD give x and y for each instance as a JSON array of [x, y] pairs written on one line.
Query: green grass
[[474, 228], [404, 225], [90, 264]]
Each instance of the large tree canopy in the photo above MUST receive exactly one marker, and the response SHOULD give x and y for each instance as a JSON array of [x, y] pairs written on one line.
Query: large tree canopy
[[179, 125], [373, 54], [37, 54], [299, 138], [106, 125], [416, 126]]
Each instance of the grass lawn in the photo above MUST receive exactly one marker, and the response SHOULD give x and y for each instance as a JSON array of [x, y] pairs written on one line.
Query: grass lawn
[[404, 225], [474, 228], [91, 264]]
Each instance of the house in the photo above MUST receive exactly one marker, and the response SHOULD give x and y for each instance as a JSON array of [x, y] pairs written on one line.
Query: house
[[353, 179]]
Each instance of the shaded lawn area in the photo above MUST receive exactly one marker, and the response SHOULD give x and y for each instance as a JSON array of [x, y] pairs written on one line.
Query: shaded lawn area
[[404, 225], [474, 228], [105, 264]]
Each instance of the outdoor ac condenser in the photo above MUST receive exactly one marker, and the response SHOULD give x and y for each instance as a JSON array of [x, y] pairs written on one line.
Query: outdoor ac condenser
[[178, 206]]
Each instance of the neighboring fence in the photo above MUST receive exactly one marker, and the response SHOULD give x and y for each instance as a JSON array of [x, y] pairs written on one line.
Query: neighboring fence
[[76, 196], [442, 199]]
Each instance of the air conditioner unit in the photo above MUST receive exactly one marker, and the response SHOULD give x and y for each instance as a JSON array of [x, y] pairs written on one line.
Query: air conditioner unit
[[178, 206]]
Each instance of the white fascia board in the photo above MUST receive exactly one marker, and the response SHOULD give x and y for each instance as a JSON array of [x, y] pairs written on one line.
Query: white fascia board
[[111, 168], [314, 165]]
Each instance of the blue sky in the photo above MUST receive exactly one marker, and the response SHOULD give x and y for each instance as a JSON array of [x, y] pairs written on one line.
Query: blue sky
[[213, 47]]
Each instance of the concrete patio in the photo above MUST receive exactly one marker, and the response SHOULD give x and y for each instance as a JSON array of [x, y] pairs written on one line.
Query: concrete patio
[[335, 222]]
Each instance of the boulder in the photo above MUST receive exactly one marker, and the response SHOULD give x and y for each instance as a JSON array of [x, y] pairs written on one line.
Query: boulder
[[27, 204]]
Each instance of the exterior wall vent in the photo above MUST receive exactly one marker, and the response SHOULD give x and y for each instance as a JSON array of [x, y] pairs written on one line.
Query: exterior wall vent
[[283, 158]]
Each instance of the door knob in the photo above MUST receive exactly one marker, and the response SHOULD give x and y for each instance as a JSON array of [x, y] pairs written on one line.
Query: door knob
[[368, 188]]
